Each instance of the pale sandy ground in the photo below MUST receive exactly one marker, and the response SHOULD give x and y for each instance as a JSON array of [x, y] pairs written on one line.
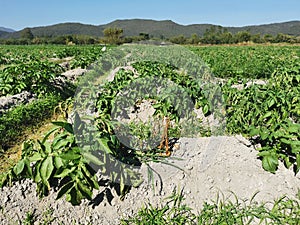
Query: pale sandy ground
[[212, 166]]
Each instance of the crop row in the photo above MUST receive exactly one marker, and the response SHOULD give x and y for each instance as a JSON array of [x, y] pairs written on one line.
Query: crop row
[[25, 54], [268, 114], [31, 68], [253, 62]]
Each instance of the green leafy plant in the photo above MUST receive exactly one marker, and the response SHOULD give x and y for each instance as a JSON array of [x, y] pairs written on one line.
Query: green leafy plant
[[45, 161], [24, 117], [269, 115]]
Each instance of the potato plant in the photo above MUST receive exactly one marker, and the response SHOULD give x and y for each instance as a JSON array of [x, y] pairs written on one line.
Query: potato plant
[[267, 114], [57, 158], [250, 62]]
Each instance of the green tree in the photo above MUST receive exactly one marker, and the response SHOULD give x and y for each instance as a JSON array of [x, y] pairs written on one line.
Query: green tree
[[113, 35], [194, 39], [284, 38], [213, 35], [268, 38], [256, 38], [180, 39], [227, 38], [243, 36], [144, 36]]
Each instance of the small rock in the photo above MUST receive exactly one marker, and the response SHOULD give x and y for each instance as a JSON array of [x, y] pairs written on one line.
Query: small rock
[[5, 199], [210, 180], [189, 167]]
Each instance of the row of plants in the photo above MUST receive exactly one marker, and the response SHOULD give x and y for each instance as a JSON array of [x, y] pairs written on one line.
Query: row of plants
[[77, 151], [225, 61], [34, 72], [71, 154], [34, 77], [20, 54], [173, 210], [25, 117], [268, 114], [250, 62], [30, 68], [23, 70]]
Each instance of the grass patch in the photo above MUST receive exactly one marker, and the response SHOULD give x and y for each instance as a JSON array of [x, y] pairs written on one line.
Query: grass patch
[[174, 211], [23, 118], [18, 133]]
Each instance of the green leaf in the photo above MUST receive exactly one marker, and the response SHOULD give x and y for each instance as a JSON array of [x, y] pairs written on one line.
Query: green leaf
[[71, 154], [205, 109], [295, 147], [36, 157], [268, 114], [270, 163], [253, 131], [287, 162], [58, 162], [90, 158], [65, 189], [48, 134], [104, 145], [76, 196], [285, 141], [46, 169], [271, 103], [294, 128], [18, 168], [264, 135], [298, 163], [37, 177], [65, 125], [58, 138], [85, 191], [64, 173], [27, 164], [46, 147], [61, 144], [92, 180]]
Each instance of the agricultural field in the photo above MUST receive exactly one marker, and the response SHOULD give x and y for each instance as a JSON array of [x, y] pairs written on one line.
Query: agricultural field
[[35, 72], [258, 86]]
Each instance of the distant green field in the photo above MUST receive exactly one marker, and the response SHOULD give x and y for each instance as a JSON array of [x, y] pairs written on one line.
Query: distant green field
[[257, 62]]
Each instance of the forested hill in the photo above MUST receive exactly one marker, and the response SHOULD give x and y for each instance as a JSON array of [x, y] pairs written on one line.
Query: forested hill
[[164, 28]]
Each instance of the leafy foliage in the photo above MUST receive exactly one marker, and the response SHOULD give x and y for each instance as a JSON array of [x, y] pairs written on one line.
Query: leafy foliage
[[266, 113], [34, 76], [269, 114], [45, 161], [22, 117], [249, 62]]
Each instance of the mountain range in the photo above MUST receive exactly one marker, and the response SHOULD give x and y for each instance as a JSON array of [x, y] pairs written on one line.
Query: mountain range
[[6, 29], [165, 28]]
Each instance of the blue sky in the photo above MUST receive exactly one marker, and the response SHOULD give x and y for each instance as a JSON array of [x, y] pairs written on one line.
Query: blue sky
[[18, 14]]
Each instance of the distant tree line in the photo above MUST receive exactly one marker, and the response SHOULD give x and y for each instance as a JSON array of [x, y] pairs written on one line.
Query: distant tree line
[[213, 35], [220, 35]]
